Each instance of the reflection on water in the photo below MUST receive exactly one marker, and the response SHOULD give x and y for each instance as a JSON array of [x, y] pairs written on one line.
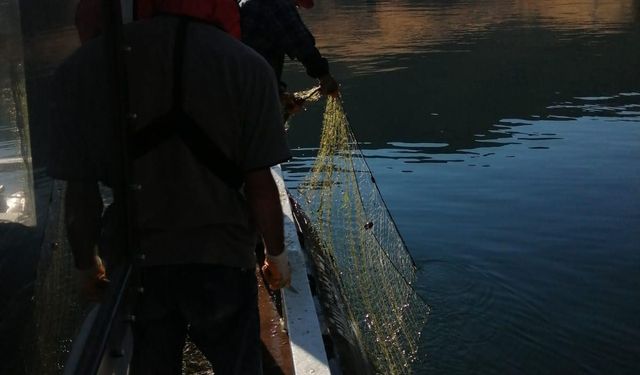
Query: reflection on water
[[452, 88], [379, 28], [504, 136]]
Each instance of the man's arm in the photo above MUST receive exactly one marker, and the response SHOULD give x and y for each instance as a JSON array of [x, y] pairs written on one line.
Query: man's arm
[[83, 210], [264, 200], [298, 42], [295, 38]]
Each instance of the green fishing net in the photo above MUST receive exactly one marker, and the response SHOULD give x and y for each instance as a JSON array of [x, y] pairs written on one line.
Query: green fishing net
[[364, 270], [58, 308]]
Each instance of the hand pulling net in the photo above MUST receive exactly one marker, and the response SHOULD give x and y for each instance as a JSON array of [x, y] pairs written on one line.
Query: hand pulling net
[[364, 269]]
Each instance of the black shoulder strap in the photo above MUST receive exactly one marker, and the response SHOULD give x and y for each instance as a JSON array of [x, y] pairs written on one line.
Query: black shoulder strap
[[179, 50], [178, 123]]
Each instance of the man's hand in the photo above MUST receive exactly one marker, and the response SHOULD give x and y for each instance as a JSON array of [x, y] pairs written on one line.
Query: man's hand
[[93, 280], [328, 85], [277, 271], [290, 103]]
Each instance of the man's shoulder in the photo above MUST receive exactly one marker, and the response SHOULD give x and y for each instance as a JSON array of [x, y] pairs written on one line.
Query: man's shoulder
[[88, 52], [251, 3], [269, 11], [214, 47], [215, 44], [88, 59]]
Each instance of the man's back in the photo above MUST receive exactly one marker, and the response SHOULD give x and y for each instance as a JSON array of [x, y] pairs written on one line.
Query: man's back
[[194, 228], [274, 28], [229, 92]]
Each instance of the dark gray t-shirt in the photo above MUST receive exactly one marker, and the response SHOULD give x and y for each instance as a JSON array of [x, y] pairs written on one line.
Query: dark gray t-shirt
[[185, 213]]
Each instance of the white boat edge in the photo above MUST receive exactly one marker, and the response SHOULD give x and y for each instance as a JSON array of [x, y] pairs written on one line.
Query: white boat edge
[[307, 348]]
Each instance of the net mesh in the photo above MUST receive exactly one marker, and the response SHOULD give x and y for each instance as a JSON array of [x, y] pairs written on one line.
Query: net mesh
[[58, 307], [363, 253]]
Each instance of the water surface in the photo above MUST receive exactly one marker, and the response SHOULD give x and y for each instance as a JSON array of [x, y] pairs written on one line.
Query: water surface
[[504, 136]]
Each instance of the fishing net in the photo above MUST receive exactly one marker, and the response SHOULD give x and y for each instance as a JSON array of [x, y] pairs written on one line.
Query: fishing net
[[51, 310], [365, 272], [58, 310]]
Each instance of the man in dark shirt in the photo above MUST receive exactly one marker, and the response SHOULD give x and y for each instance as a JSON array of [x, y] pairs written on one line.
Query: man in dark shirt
[[196, 233], [274, 28]]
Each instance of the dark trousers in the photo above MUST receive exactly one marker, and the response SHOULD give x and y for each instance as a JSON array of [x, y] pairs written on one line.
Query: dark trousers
[[216, 306]]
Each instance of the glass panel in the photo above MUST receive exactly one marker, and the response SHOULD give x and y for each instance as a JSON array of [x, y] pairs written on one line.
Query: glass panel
[[16, 178], [42, 312]]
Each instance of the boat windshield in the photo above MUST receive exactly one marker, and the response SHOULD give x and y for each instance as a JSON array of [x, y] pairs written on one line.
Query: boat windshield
[[42, 314]]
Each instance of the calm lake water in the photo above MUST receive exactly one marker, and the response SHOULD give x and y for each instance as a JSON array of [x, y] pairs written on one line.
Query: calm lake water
[[505, 138]]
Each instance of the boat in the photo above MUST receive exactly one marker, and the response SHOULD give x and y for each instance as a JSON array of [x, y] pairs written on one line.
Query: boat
[[58, 331], [306, 328]]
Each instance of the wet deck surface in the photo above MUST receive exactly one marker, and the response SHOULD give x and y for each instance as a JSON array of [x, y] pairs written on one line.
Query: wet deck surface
[[276, 350]]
